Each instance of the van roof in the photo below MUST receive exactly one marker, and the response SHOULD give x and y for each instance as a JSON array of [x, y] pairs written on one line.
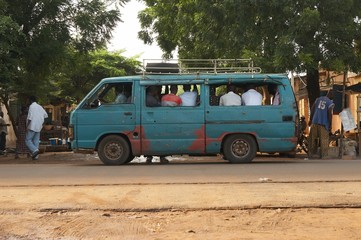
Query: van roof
[[221, 76], [179, 70]]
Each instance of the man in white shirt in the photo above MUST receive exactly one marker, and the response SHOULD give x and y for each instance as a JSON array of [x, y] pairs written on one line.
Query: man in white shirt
[[230, 98], [251, 96], [35, 120], [189, 98]]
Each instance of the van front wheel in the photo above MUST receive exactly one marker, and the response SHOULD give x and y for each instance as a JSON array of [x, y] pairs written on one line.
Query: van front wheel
[[239, 148], [113, 150]]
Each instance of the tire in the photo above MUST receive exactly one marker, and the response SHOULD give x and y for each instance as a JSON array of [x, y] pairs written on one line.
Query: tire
[[239, 148], [113, 150]]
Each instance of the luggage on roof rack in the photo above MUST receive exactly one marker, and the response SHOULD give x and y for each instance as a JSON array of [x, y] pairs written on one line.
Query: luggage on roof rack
[[198, 66], [161, 68]]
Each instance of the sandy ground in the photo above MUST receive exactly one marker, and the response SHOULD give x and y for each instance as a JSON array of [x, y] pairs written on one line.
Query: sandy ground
[[205, 211], [179, 224]]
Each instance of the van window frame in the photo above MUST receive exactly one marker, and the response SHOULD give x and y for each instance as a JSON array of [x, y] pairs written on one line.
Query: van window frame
[[102, 90], [147, 83]]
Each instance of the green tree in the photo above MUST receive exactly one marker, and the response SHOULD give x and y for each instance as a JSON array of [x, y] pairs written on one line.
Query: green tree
[[83, 71], [42, 31], [10, 36], [279, 35]]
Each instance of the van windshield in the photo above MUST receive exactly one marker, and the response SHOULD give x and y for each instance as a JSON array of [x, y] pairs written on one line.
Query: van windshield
[[112, 93]]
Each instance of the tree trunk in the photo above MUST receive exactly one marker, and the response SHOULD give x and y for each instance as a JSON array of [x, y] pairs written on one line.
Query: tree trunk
[[313, 85]]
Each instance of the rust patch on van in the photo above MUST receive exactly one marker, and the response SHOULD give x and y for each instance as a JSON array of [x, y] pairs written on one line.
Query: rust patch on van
[[198, 143], [293, 140], [217, 139], [135, 138]]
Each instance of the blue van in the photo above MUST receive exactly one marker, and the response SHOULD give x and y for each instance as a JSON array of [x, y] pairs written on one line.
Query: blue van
[[122, 117]]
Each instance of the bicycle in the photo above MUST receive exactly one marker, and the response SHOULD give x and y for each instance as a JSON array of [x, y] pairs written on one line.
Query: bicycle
[[302, 141]]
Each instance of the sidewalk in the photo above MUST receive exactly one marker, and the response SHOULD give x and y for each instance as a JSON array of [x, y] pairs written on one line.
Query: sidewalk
[[49, 158]]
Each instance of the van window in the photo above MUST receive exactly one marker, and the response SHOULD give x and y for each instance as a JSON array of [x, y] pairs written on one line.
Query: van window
[[113, 93], [186, 95], [270, 93], [274, 94], [216, 92]]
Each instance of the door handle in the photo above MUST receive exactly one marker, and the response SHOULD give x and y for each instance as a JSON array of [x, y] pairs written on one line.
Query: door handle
[[128, 113], [287, 118]]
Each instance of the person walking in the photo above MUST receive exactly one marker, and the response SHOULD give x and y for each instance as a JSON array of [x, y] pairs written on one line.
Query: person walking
[[35, 120], [321, 124]]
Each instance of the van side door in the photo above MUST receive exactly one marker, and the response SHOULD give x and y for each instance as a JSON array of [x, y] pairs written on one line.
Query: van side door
[[171, 130]]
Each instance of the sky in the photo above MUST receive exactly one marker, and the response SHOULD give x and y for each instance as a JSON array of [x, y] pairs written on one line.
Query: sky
[[125, 36]]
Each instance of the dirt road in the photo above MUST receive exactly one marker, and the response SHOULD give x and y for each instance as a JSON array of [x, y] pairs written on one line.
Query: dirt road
[[260, 210]]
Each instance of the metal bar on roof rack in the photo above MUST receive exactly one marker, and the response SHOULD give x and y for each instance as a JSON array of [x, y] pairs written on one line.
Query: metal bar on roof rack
[[192, 66]]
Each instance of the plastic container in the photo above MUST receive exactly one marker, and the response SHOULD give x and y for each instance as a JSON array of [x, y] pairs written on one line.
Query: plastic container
[[53, 141]]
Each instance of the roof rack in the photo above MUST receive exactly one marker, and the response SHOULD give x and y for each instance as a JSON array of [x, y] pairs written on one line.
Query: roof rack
[[198, 66]]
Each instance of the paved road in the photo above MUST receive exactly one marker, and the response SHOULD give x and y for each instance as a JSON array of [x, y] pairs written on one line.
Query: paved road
[[195, 171], [199, 183]]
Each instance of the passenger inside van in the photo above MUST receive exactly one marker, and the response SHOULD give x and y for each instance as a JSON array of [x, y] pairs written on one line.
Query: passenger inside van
[[124, 94], [171, 99], [189, 98], [231, 98], [213, 98], [152, 98], [273, 90], [251, 96]]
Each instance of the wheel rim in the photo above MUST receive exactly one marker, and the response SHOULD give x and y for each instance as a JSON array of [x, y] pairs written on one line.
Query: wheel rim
[[113, 151], [240, 148]]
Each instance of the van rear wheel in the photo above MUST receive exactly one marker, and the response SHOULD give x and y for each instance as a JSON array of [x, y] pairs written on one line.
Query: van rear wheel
[[239, 148], [113, 150]]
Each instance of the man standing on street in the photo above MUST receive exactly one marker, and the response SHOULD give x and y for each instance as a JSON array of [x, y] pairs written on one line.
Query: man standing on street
[[35, 120], [321, 124]]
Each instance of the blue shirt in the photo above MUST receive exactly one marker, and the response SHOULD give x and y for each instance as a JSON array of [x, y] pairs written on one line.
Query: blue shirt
[[321, 109]]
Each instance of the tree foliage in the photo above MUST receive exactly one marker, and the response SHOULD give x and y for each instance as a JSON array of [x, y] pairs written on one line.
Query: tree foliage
[[49, 27], [83, 71], [9, 55], [279, 35], [36, 35]]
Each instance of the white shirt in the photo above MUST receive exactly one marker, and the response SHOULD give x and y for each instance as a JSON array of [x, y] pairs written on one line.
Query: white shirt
[[36, 117], [230, 99], [189, 98], [252, 97], [276, 99], [121, 98]]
